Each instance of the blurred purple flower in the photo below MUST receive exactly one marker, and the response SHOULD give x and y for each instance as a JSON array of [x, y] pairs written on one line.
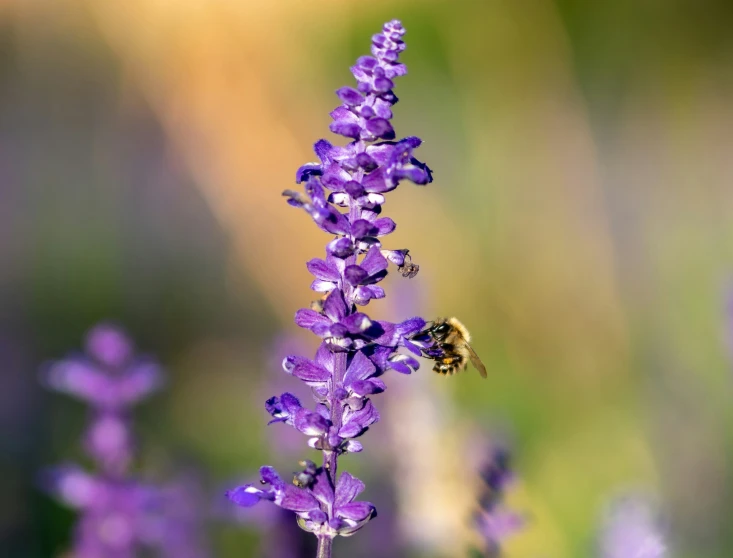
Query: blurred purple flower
[[108, 376], [119, 515], [632, 530], [493, 522], [355, 350]]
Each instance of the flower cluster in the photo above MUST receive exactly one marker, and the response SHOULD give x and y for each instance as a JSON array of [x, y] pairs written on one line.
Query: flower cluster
[[120, 515], [493, 522], [344, 194]]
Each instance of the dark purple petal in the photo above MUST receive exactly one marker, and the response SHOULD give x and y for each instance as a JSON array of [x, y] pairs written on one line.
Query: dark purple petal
[[334, 306], [361, 228], [354, 189], [350, 96], [356, 323], [355, 275], [340, 248], [366, 161], [379, 128]]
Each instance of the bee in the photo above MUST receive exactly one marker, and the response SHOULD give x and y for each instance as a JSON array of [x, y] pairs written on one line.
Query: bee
[[452, 338], [317, 305]]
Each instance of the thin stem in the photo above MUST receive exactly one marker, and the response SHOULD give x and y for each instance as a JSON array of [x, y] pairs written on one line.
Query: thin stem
[[325, 544]]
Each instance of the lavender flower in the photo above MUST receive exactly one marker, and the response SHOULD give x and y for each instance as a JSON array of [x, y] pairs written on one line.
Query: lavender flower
[[493, 522], [355, 350], [632, 531], [119, 514]]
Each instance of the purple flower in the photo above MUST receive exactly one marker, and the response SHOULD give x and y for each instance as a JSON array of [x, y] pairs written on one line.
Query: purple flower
[[493, 522], [632, 530], [343, 194], [319, 507], [113, 513], [108, 376], [118, 514]]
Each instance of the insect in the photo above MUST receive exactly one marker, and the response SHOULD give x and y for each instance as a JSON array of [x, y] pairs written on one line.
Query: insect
[[452, 338], [408, 269]]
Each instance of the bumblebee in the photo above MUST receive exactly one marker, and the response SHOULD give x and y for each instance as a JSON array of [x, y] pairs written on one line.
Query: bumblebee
[[452, 338]]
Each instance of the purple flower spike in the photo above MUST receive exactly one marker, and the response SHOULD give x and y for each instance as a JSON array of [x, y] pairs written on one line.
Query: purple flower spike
[[493, 522], [119, 516], [343, 194]]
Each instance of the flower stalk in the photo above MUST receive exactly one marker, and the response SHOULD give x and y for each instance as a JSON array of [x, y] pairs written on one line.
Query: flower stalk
[[343, 194]]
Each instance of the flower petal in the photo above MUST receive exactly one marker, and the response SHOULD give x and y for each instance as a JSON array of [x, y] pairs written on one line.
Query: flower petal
[[356, 511], [374, 262], [335, 306], [246, 495], [323, 270], [360, 368]]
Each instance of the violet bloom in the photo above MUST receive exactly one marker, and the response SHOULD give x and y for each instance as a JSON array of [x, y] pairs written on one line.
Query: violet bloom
[[632, 530], [344, 193], [493, 521], [119, 515]]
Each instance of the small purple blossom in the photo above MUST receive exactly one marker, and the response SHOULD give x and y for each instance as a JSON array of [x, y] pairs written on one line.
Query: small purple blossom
[[493, 521], [343, 194], [119, 515]]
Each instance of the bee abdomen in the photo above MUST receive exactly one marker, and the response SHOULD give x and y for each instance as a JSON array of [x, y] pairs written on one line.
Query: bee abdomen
[[446, 369]]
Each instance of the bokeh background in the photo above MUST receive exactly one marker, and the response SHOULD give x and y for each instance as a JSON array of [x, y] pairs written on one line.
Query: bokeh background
[[580, 224]]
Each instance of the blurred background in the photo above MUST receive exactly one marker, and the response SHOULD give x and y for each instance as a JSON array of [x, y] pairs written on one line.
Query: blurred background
[[580, 224]]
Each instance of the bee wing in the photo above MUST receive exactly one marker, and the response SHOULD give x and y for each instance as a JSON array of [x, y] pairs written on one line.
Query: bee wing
[[476, 361]]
